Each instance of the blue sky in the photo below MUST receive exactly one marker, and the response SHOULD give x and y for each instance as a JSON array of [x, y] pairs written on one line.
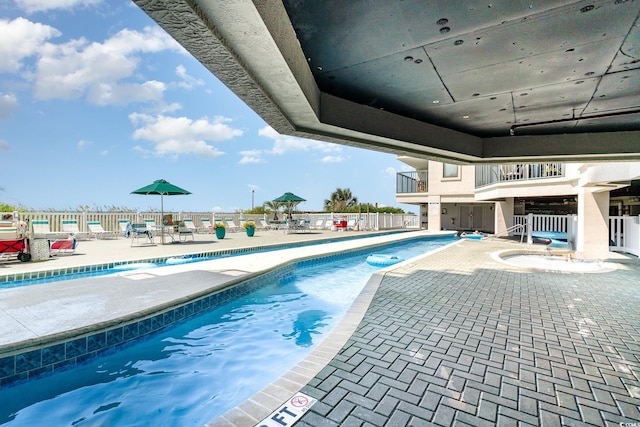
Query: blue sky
[[96, 100]]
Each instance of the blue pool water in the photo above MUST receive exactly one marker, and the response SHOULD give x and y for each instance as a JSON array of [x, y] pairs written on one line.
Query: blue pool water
[[106, 269], [191, 373]]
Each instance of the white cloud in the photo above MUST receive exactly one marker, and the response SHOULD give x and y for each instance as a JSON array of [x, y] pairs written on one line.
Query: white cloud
[[104, 153], [390, 171], [8, 104], [283, 143], [251, 156], [4, 145], [181, 135], [82, 144], [333, 159], [73, 69], [31, 6], [188, 82], [21, 39], [122, 94]]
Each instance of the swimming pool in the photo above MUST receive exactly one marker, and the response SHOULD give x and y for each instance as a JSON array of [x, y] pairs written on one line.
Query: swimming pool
[[57, 275], [209, 363]]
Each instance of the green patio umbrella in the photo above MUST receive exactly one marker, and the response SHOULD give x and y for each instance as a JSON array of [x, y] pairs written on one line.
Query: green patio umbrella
[[163, 188], [289, 200]]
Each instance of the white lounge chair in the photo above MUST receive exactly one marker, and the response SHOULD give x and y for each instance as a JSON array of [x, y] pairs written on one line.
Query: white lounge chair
[[319, 224], [189, 225], [231, 226], [122, 225], [97, 231], [207, 227], [71, 226], [41, 229]]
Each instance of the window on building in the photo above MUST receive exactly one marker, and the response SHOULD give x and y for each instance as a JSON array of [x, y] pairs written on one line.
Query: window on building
[[450, 171]]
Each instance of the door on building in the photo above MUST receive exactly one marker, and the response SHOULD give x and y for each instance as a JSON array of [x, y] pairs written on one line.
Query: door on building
[[478, 218], [465, 218]]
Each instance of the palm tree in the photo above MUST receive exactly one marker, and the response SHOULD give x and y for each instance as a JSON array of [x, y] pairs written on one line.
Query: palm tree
[[274, 206], [340, 200]]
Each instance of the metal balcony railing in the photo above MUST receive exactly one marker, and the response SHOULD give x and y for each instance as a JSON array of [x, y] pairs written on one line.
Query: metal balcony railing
[[494, 174], [412, 182]]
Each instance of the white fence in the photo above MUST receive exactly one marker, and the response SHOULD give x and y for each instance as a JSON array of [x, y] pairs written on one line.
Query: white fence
[[624, 234], [109, 220], [558, 223]]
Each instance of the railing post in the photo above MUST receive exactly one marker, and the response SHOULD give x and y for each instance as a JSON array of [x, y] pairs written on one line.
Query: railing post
[[529, 229]]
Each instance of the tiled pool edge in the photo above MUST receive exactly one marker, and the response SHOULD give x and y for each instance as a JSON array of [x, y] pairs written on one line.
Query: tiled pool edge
[[76, 347]]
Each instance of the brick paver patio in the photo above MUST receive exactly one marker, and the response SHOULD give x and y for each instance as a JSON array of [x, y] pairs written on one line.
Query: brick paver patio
[[452, 343]]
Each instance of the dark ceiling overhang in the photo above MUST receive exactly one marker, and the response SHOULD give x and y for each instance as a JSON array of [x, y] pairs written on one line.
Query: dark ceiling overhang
[[447, 80]]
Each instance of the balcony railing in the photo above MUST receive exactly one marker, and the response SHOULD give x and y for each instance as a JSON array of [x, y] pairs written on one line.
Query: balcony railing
[[494, 174], [412, 182]]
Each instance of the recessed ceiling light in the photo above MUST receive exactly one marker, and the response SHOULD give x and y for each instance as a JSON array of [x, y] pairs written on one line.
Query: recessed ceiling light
[[458, 42], [408, 58], [435, 101], [444, 30], [465, 117], [587, 8], [442, 21]]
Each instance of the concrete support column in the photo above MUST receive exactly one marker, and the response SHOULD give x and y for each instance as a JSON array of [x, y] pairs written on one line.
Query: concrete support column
[[593, 224], [434, 213], [503, 218]]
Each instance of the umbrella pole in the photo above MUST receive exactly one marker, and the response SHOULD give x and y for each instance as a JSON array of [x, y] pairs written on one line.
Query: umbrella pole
[[161, 219]]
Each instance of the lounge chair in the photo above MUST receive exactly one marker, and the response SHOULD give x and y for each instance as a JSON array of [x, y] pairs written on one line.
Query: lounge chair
[[71, 226], [96, 230], [264, 225], [122, 225], [351, 224], [42, 230], [319, 224], [151, 225], [206, 226], [188, 224], [231, 226], [63, 246]]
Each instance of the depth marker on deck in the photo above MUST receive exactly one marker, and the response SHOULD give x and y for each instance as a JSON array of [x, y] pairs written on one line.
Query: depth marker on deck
[[289, 412]]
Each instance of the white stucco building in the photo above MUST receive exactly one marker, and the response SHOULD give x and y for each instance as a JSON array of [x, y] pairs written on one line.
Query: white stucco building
[[490, 198]]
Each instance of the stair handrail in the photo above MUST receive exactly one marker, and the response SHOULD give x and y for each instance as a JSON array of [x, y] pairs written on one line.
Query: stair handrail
[[513, 228]]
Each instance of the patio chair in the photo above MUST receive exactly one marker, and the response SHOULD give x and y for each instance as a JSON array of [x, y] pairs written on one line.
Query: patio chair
[[96, 230], [41, 229], [351, 224], [71, 226], [184, 231], [139, 232], [319, 224], [231, 226]]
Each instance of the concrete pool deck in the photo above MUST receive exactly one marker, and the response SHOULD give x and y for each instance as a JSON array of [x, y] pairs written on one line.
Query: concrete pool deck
[[454, 338]]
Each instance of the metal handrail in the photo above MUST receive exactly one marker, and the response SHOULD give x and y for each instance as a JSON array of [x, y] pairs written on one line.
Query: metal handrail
[[512, 228]]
